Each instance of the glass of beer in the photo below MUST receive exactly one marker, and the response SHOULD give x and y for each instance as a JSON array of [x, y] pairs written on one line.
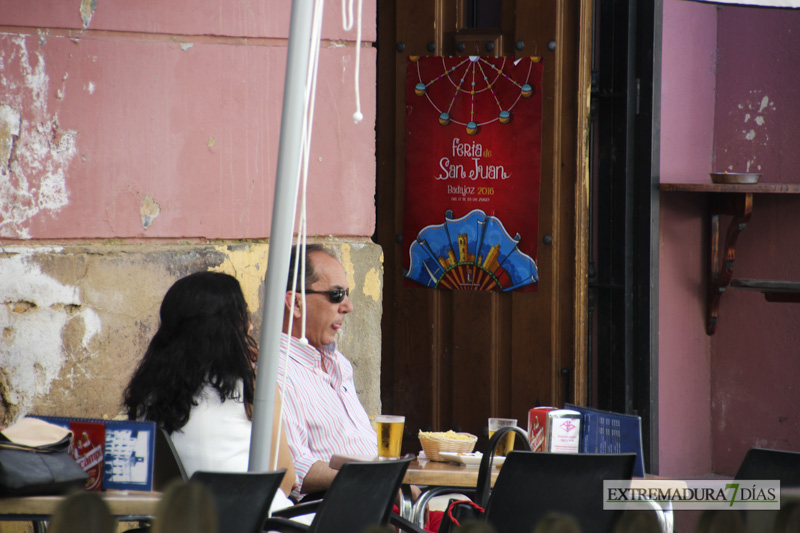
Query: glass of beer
[[390, 435], [505, 446]]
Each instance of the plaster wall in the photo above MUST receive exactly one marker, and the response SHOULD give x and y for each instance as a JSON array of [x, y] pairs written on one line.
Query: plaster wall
[[754, 389], [77, 318], [138, 143], [687, 107], [728, 103], [148, 131]]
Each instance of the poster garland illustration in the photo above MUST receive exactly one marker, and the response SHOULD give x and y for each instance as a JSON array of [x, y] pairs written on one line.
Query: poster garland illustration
[[473, 170]]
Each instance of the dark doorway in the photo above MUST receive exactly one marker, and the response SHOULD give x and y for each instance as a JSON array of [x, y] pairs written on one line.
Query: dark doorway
[[623, 267]]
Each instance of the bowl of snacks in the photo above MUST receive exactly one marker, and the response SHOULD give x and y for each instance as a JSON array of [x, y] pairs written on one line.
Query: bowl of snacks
[[434, 442]]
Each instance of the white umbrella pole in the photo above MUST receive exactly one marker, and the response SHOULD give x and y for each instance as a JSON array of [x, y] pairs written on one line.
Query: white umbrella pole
[[282, 230]]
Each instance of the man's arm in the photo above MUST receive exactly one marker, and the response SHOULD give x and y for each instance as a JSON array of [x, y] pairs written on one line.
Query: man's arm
[[318, 478]]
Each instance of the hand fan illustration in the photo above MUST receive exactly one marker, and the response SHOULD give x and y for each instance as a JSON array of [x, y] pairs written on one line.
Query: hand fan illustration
[[474, 252]]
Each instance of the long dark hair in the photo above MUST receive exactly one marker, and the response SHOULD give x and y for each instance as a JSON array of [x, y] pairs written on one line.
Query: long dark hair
[[202, 339]]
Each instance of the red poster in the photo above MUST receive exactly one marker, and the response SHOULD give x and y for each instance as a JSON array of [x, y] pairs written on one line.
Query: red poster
[[473, 168]]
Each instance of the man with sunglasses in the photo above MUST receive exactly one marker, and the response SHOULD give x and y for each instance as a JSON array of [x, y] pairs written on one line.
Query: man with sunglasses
[[321, 410]]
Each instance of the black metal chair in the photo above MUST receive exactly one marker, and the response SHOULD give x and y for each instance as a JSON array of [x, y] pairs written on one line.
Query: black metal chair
[[762, 463], [242, 498], [532, 484], [361, 496], [167, 466]]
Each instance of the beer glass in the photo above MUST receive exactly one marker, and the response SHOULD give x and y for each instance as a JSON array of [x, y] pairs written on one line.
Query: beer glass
[[505, 446], [390, 435]]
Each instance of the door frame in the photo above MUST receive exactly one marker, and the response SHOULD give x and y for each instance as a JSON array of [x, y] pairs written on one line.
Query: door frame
[[572, 38]]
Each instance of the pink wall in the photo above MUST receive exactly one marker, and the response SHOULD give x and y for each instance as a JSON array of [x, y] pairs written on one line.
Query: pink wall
[[162, 121], [269, 18], [755, 391], [688, 83], [729, 84], [687, 107]]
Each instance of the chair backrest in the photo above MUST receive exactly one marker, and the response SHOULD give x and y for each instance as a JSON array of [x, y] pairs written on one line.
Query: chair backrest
[[761, 463], [167, 466], [361, 496], [82, 512], [483, 487], [531, 484], [242, 498]]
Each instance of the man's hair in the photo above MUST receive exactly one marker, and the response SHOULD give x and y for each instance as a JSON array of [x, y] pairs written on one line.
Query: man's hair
[[311, 274]]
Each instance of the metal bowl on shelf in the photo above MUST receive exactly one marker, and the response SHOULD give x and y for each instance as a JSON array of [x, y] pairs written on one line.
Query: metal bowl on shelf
[[735, 177]]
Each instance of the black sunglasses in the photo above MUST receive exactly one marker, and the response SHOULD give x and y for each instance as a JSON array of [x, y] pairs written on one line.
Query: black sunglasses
[[335, 295]]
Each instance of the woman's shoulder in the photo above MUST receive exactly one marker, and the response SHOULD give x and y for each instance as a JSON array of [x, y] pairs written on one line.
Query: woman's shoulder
[[210, 409]]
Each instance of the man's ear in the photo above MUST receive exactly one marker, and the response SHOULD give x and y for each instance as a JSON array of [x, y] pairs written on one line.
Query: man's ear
[[293, 306]]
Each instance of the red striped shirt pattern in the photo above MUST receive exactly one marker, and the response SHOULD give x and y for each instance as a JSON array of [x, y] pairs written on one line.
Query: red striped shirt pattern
[[321, 410]]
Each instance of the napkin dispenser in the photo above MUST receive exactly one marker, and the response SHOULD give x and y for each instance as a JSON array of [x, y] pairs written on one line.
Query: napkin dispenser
[[554, 430]]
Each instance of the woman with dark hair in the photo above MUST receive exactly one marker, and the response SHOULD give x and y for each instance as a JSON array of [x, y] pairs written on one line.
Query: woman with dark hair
[[197, 378]]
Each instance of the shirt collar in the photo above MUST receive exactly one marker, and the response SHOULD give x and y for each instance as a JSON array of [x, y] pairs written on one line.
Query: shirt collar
[[307, 355], [324, 361]]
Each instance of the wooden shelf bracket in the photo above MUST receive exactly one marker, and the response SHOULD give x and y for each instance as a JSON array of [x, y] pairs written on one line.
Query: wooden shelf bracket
[[735, 200], [721, 258]]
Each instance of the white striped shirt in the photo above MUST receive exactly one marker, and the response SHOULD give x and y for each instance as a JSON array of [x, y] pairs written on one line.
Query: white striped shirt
[[321, 410]]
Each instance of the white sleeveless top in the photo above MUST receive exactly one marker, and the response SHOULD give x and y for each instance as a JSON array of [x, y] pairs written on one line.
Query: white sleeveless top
[[217, 438]]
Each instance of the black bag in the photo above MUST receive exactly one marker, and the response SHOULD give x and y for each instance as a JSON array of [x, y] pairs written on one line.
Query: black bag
[[39, 464], [457, 513]]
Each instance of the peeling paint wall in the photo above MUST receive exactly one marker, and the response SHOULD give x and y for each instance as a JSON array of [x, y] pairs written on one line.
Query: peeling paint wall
[[36, 150], [75, 320], [138, 143], [756, 111], [131, 124]]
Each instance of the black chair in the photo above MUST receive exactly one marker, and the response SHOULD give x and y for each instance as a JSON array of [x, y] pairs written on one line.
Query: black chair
[[242, 498], [167, 466], [361, 496], [761, 463], [532, 484]]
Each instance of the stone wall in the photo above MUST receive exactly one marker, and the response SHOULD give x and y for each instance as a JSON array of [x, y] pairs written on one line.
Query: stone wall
[[75, 319]]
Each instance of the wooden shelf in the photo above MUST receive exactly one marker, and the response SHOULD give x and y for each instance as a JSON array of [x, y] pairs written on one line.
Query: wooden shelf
[[735, 200], [774, 291]]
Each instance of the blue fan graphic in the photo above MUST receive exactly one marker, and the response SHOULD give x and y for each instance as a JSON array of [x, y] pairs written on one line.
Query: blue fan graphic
[[474, 252]]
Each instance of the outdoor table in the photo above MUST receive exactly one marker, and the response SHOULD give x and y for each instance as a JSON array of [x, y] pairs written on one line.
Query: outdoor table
[[126, 506], [435, 478], [438, 474]]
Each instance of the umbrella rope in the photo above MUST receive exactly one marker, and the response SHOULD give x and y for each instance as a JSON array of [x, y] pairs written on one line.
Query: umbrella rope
[[308, 120]]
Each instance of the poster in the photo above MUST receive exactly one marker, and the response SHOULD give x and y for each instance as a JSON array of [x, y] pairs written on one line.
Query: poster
[[473, 169], [128, 450]]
